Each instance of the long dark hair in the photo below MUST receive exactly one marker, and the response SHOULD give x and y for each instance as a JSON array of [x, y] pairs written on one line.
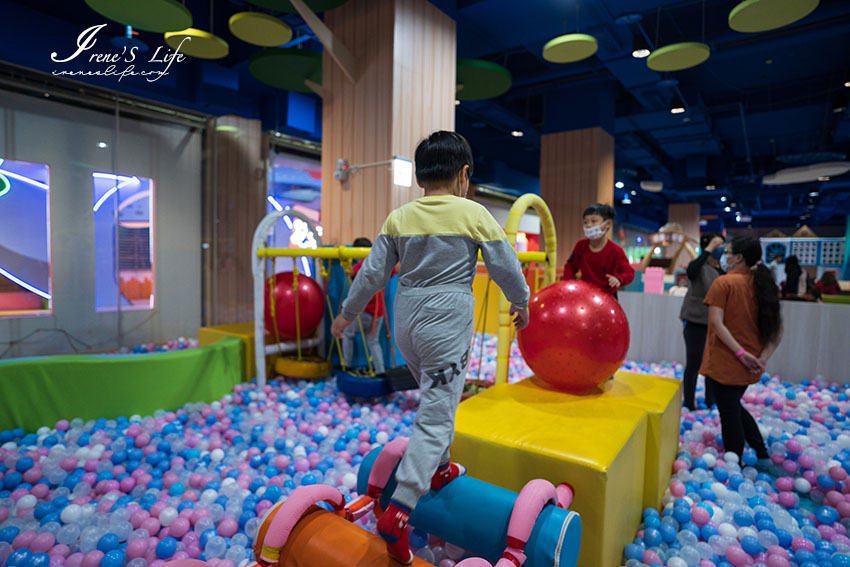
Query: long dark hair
[[828, 278], [766, 292], [792, 266]]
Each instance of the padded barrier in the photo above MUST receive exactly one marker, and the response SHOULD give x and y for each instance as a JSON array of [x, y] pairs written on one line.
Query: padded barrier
[[40, 391]]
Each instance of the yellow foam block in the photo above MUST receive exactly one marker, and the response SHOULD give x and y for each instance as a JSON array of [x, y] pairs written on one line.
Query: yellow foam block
[[510, 434], [245, 331], [662, 400]]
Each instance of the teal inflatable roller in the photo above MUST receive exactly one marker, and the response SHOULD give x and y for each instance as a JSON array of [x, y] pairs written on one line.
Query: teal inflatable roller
[[474, 515]]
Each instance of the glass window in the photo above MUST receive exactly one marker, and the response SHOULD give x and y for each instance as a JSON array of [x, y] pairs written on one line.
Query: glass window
[[25, 285], [295, 184], [123, 242]]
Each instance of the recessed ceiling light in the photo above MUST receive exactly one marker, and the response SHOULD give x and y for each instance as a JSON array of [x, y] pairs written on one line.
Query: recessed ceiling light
[[517, 134], [640, 53], [823, 178], [711, 187], [677, 106], [619, 185], [634, 192], [728, 209], [813, 194], [457, 102], [102, 145], [723, 199], [847, 84]]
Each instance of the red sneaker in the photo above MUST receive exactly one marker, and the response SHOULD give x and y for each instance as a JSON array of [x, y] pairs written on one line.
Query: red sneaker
[[445, 474], [392, 527]]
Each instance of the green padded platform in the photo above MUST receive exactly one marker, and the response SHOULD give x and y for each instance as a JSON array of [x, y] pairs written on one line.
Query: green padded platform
[[40, 391]]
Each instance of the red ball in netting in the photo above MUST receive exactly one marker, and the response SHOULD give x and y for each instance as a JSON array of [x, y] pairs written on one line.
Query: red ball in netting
[[311, 305], [577, 336]]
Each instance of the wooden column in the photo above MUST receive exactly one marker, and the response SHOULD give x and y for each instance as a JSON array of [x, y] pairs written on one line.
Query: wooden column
[[687, 215], [234, 202], [576, 170], [405, 89]]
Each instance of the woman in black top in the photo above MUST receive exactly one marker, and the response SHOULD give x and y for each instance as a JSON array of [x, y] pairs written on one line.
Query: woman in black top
[[694, 315], [795, 284]]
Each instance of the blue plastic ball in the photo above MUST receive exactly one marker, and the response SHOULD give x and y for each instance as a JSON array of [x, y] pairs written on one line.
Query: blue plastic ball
[[108, 542], [633, 551], [166, 548], [751, 545], [39, 560], [114, 558], [652, 537]]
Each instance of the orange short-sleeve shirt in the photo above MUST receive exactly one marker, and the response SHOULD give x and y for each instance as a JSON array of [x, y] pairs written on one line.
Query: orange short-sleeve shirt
[[734, 293]]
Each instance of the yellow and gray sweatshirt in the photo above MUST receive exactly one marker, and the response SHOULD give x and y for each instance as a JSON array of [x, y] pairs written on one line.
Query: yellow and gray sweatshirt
[[436, 240]]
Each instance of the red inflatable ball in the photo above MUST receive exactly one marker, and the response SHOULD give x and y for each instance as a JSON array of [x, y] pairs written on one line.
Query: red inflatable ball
[[577, 336], [311, 305]]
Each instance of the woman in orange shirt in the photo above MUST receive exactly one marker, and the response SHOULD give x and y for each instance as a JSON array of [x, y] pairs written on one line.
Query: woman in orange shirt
[[744, 329]]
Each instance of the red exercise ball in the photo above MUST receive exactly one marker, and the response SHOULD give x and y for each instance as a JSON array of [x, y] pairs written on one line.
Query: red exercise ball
[[311, 305], [577, 336]]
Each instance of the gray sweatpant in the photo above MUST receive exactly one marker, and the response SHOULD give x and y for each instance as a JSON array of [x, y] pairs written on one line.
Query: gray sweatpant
[[373, 341], [433, 331]]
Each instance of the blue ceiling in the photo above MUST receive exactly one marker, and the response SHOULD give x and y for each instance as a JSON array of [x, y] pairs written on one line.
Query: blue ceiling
[[755, 106]]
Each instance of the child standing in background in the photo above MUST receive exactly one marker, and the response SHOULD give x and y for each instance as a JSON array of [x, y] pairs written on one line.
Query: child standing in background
[[372, 318], [600, 261], [436, 240], [744, 329]]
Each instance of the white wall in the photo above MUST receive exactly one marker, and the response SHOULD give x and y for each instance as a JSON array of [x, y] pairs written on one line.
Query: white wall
[[529, 222], [815, 339], [65, 138]]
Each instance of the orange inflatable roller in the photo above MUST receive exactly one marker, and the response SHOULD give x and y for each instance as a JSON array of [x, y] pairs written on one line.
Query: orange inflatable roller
[[322, 538]]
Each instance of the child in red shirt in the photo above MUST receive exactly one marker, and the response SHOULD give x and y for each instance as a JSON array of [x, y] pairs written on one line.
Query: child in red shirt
[[600, 261]]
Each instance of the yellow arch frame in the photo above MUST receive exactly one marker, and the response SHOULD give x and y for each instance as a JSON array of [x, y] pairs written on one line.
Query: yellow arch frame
[[547, 224]]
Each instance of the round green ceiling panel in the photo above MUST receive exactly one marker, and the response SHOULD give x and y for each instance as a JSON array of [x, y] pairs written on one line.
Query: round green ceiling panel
[[286, 68], [158, 16], [198, 43], [570, 48], [260, 29], [753, 16], [678, 56], [478, 79], [286, 5]]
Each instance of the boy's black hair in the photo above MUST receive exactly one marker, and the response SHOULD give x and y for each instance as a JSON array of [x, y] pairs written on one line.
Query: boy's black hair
[[792, 265], [441, 156], [604, 211], [362, 242], [707, 237], [769, 319]]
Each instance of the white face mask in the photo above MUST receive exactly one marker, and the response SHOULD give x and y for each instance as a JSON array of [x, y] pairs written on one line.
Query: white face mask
[[596, 231], [724, 263]]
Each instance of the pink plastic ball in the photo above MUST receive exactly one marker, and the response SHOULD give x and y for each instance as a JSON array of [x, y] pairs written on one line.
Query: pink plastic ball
[[837, 473], [302, 465], [228, 527], [793, 446], [62, 425], [92, 558], [806, 461], [23, 539], [737, 556], [700, 516], [787, 499], [60, 550], [181, 526], [677, 489], [799, 543], [74, 560], [784, 483], [777, 561], [650, 557], [42, 543], [137, 548]]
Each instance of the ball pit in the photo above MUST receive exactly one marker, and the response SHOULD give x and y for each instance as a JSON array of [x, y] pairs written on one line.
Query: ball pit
[[193, 483], [790, 510]]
